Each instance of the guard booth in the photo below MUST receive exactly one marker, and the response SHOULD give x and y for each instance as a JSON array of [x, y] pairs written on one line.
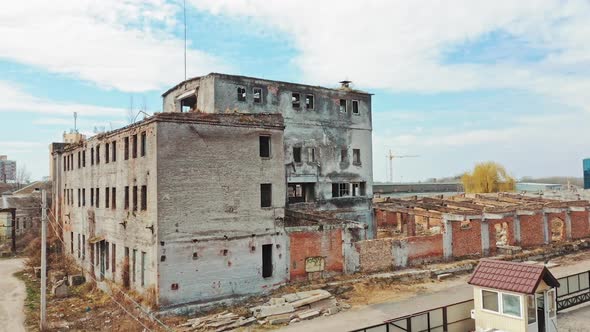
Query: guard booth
[[514, 297]]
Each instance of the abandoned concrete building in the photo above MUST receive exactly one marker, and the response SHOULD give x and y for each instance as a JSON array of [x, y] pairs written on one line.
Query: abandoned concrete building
[[178, 204], [327, 137]]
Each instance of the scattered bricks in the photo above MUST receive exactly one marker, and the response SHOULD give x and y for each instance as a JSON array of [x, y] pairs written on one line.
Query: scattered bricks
[[308, 314], [271, 310], [279, 319], [76, 279], [508, 250]]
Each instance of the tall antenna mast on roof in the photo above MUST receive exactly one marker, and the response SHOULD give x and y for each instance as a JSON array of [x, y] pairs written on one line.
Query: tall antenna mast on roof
[[76, 122], [184, 11]]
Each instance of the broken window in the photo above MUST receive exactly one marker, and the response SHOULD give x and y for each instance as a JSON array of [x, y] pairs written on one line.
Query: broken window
[[143, 198], [265, 195], [344, 155], [264, 146], [98, 154], [114, 145], [296, 100], [257, 95], [126, 197], [356, 156], [126, 148], [297, 154], [340, 190], [143, 143], [311, 156], [106, 153], [113, 198], [309, 104], [266, 260], [343, 105], [134, 151], [355, 107], [134, 198], [106, 197], [241, 93]]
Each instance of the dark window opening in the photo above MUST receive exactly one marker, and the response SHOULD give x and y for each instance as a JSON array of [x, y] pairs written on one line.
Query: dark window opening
[[79, 160], [301, 192], [189, 103], [344, 155], [358, 189], [91, 196], [174, 286], [113, 198], [127, 198], [133, 262], [98, 154], [84, 158], [266, 260], [83, 247], [355, 107], [134, 148], [143, 143], [72, 243], [257, 95], [340, 190], [134, 198], [142, 268], [309, 102], [297, 154], [296, 100], [356, 156], [91, 156], [107, 200], [265, 195], [114, 258], [83, 196], [79, 198], [126, 140], [106, 153], [195, 256], [343, 105], [312, 156], [114, 145], [143, 198], [97, 194], [106, 254], [79, 251], [65, 163], [265, 146], [241, 94]]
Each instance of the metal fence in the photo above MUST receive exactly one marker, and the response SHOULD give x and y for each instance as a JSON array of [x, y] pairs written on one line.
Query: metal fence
[[452, 318], [573, 290]]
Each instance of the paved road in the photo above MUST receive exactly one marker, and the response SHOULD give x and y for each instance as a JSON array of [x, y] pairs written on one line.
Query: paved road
[[448, 292], [12, 296]]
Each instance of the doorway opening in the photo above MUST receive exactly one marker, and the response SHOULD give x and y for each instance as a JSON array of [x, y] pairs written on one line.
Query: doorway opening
[[266, 260]]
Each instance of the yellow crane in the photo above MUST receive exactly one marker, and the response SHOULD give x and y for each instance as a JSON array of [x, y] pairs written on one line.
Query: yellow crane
[[390, 156]]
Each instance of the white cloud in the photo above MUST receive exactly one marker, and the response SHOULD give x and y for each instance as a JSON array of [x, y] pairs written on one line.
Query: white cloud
[[402, 45], [122, 44]]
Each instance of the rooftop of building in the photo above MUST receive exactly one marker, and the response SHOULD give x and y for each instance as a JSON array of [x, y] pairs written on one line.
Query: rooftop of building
[[511, 276], [237, 77]]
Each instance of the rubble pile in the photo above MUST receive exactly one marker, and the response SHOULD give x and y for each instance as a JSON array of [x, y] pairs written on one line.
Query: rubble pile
[[287, 309]]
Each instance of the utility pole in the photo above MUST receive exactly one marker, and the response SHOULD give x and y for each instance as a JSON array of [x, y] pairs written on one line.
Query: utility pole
[[43, 260], [13, 230]]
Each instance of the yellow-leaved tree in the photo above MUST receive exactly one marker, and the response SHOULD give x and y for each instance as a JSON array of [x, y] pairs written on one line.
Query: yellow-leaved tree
[[488, 177]]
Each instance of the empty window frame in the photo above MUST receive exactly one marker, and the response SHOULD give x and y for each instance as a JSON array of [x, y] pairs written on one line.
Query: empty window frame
[[84, 158], [142, 268], [79, 159], [91, 196], [83, 196], [264, 146], [107, 153], [134, 148], [311, 155], [296, 100], [107, 200], [126, 197], [72, 243], [355, 107], [297, 154], [91, 156], [241, 93], [309, 102], [358, 189], [65, 162], [343, 155], [257, 93], [490, 301], [356, 156], [265, 195], [143, 198], [98, 154], [134, 198], [342, 105], [113, 198], [79, 244], [266, 260], [143, 143], [133, 259], [340, 189], [114, 258], [126, 141], [114, 148], [83, 247], [97, 198], [106, 255], [79, 197]]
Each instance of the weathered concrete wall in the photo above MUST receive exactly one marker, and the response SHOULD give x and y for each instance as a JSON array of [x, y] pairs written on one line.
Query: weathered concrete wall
[[204, 94], [209, 201], [323, 244], [123, 227]]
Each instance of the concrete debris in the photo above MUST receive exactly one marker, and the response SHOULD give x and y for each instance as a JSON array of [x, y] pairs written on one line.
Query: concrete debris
[[287, 309], [76, 280], [60, 289]]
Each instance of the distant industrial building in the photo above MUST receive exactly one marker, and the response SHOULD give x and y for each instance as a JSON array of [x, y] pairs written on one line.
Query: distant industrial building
[[7, 170], [537, 187], [586, 166]]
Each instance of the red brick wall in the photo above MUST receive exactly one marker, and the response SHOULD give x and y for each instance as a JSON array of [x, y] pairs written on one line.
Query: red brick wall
[[531, 231], [386, 219], [327, 244], [375, 255], [580, 227], [466, 242], [424, 248]]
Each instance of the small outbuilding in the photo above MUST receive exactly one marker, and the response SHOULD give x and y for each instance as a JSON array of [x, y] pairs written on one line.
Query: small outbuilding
[[514, 297]]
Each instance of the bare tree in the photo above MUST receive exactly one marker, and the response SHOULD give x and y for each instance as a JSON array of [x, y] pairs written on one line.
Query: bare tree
[[23, 176]]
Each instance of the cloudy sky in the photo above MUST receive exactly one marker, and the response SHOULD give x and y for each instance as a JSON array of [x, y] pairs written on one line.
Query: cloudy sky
[[455, 82]]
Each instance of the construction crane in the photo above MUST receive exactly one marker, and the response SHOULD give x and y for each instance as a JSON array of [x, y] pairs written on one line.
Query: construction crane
[[390, 156]]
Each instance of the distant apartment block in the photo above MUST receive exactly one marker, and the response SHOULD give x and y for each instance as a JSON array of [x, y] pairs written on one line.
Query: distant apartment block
[[7, 170]]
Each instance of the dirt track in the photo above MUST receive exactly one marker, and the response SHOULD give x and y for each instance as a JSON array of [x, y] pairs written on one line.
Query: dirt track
[[12, 296]]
